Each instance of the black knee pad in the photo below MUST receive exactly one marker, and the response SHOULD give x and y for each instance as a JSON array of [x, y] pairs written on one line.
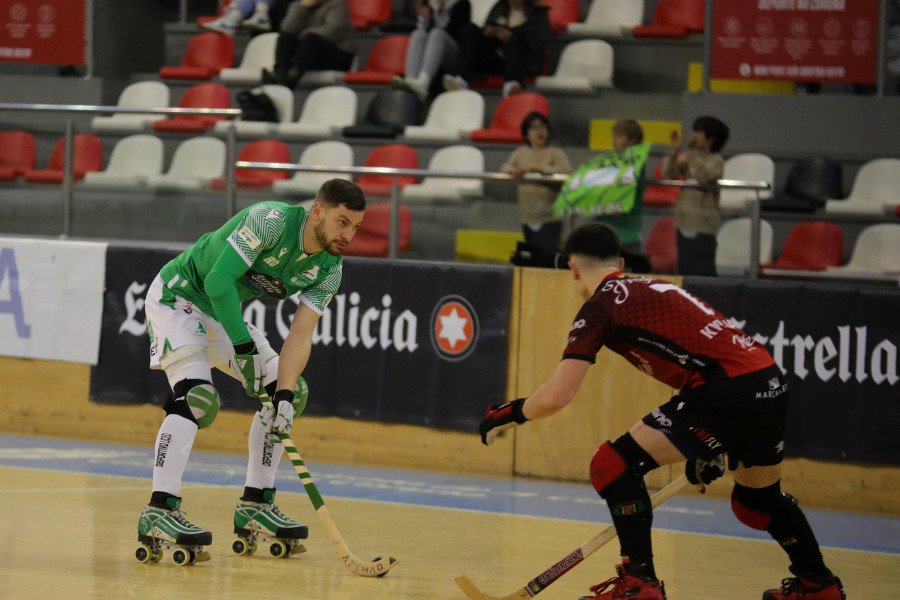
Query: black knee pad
[[766, 509]]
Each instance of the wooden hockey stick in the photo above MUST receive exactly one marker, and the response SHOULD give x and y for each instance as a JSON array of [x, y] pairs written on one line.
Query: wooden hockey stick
[[536, 585], [378, 566]]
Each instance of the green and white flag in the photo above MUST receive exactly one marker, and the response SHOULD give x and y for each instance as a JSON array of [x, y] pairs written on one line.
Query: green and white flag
[[605, 185]]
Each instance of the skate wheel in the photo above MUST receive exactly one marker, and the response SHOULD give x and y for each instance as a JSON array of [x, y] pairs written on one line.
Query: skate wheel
[[143, 554], [278, 549], [156, 556], [240, 547], [253, 547], [183, 557]]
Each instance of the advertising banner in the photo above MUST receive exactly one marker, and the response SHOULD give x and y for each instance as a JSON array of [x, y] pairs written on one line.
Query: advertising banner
[[829, 41], [838, 348], [402, 342], [42, 31], [51, 299]]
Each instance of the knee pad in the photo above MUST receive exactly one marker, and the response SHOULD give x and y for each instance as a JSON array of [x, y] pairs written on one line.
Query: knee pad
[[615, 460], [196, 400], [764, 508]]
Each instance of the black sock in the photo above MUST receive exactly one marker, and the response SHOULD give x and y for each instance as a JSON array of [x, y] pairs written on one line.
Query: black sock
[[632, 514], [158, 499], [252, 494]]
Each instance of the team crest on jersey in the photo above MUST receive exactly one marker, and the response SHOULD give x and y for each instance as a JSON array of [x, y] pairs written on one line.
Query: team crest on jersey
[[454, 328]]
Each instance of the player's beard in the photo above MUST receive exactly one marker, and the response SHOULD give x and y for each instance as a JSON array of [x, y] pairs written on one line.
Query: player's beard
[[328, 245]]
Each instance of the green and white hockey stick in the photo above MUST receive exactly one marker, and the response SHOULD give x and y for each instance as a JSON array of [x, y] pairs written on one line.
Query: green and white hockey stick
[[376, 567]]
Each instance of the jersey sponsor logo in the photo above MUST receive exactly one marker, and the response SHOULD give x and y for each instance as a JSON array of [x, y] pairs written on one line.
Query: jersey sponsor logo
[[188, 307], [706, 437], [250, 238], [282, 252], [271, 286], [271, 261], [200, 330], [311, 274], [454, 328], [661, 418], [578, 324], [617, 287]]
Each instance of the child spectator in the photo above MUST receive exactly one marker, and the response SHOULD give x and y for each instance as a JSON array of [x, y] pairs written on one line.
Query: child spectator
[[625, 134], [697, 209], [536, 199]]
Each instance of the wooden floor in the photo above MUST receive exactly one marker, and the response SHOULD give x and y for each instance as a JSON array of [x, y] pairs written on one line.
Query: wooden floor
[[72, 535]]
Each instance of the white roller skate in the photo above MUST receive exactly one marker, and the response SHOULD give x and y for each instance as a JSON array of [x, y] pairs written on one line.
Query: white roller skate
[[166, 529], [260, 523]]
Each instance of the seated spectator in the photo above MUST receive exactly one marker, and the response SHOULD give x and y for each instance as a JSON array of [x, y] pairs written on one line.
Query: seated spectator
[[249, 14], [536, 199], [434, 45], [316, 35], [512, 44]]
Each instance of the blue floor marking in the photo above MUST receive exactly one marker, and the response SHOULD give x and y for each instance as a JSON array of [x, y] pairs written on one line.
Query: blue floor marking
[[515, 496]]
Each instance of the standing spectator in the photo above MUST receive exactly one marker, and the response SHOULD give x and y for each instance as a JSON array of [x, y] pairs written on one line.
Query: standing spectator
[[250, 14], [625, 134], [697, 209], [434, 45], [512, 43], [315, 35], [536, 199]]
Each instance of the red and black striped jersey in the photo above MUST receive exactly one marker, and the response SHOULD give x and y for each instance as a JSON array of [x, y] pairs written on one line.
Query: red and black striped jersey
[[664, 331]]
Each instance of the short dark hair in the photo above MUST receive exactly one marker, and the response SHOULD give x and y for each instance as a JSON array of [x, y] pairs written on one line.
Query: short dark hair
[[630, 129], [531, 118], [713, 129], [344, 192], [594, 240]]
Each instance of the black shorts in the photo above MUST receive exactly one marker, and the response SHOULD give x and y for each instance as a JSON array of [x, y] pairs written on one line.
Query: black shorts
[[743, 416]]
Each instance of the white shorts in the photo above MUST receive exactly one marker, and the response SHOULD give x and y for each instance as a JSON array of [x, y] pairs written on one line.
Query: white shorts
[[186, 325]]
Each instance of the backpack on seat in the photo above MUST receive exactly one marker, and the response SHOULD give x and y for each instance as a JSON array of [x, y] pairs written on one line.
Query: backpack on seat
[[256, 107]]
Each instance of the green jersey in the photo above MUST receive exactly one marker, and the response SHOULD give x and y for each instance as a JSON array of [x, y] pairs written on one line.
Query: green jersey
[[261, 250]]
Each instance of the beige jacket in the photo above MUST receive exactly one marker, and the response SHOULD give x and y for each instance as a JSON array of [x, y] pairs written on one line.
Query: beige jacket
[[329, 19], [536, 199], [697, 209]]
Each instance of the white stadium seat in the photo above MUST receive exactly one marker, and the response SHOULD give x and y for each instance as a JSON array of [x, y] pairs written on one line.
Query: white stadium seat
[[449, 158], [283, 99], [750, 166], [196, 162], [326, 111], [733, 246], [610, 18], [132, 160], [452, 116], [877, 184], [258, 55], [328, 153], [141, 94], [584, 65]]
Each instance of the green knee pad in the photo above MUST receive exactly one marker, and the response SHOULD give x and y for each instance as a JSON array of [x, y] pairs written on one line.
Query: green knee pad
[[301, 393], [204, 402]]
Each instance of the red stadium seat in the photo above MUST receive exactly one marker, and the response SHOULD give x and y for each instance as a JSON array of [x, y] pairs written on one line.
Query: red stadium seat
[[366, 14], [674, 19], [662, 246], [386, 59], [273, 151], [562, 12], [659, 195], [811, 246], [17, 152], [205, 56], [373, 235], [506, 125], [202, 95], [87, 155], [397, 156]]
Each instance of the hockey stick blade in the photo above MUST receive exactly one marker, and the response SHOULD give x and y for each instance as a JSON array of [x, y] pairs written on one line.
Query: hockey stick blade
[[537, 585]]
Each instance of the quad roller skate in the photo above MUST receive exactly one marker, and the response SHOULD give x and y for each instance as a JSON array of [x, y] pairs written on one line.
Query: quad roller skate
[[261, 523], [166, 529]]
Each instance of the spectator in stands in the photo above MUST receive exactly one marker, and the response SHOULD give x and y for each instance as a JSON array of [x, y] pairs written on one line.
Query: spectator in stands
[[627, 133], [434, 45], [697, 209], [249, 14], [316, 35], [536, 199], [512, 43]]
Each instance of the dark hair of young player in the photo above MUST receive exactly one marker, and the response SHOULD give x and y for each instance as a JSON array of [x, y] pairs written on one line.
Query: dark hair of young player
[[713, 129], [593, 240], [630, 130], [531, 118], [335, 192]]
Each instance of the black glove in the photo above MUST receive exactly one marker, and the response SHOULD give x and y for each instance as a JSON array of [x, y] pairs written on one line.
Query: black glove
[[701, 472], [500, 417]]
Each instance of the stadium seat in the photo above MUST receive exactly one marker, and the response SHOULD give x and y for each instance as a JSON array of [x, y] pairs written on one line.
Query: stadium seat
[[397, 156], [811, 246], [202, 95], [662, 246], [366, 14], [506, 124], [877, 250], [87, 156], [17, 154], [810, 183], [660, 195], [259, 54], [328, 153], [451, 116], [325, 112], [733, 246], [449, 158], [610, 18], [132, 160], [480, 10], [283, 99], [562, 14], [386, 59], [373, 236], [404, 15], [196, 162], [223, 4], [389, 112], [140, 94], [750, 166], [877, 183], [584, 65], [674, 19], [273, 151], [205, 55]]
